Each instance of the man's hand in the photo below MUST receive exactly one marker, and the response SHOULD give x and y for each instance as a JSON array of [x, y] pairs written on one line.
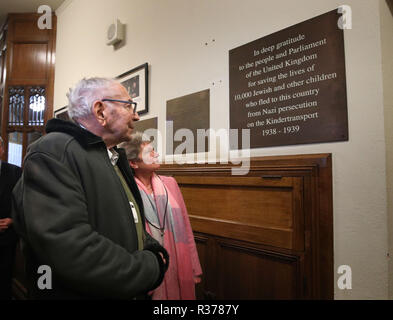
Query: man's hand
[[4, 224], [163, 258]]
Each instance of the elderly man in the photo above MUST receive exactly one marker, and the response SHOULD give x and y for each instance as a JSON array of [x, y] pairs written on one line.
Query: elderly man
[[78, 208]]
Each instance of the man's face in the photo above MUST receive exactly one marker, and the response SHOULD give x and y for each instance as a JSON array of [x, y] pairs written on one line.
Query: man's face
[[119, 116]]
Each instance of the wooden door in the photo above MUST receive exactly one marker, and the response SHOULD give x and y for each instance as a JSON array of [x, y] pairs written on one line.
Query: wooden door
[[27, 82]]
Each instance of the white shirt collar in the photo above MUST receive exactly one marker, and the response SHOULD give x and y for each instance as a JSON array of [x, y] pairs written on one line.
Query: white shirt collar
[[113, 156]]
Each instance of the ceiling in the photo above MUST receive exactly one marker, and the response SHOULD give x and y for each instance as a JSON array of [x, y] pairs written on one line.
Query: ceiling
[[18, 6]]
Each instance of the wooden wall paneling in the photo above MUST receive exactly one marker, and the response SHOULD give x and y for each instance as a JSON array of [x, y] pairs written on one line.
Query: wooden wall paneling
[[24, 27], [298, 214], [323, 222], [275, 208], [50, 87], [29, 62], [268, 274], [274, 223], [201, 242], [310, 278]]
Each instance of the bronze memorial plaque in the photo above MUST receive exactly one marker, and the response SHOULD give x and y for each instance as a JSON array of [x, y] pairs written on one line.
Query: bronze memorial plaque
[[145, 126], [185, 117], [289, 87]]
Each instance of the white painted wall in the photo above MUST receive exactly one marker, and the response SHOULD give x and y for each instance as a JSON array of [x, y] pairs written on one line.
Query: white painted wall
[[186, 44], [387, 72]]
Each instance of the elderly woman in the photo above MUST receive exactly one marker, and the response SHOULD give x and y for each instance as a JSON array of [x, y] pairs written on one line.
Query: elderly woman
[[166, 220]]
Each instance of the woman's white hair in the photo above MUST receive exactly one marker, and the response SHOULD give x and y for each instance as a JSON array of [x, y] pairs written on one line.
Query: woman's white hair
[[86, 91], [134, 146]]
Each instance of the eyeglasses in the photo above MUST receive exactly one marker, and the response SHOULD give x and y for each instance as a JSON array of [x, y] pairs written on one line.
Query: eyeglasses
[[129, 104]]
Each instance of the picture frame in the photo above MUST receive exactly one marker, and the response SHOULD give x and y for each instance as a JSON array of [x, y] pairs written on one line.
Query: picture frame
[[62, 113], [136, 83]]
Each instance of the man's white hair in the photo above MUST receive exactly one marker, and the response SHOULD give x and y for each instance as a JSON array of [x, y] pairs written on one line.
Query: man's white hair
[[86, 91]]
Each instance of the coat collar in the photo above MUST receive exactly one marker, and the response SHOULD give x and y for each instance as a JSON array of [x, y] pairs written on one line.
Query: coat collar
[[83, 136]]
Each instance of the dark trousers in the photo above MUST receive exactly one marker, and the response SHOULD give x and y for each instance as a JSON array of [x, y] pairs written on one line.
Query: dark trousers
[[7, 259]]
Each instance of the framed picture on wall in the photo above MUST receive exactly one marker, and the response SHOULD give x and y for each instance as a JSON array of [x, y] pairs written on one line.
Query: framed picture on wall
[[62, 113], [136, 83]]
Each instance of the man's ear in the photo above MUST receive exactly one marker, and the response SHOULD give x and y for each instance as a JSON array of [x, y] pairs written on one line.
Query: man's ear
[[133, 164], [98, 112]]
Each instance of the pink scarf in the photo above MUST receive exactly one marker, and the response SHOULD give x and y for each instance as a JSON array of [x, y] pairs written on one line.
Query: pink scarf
[[184, 266]]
